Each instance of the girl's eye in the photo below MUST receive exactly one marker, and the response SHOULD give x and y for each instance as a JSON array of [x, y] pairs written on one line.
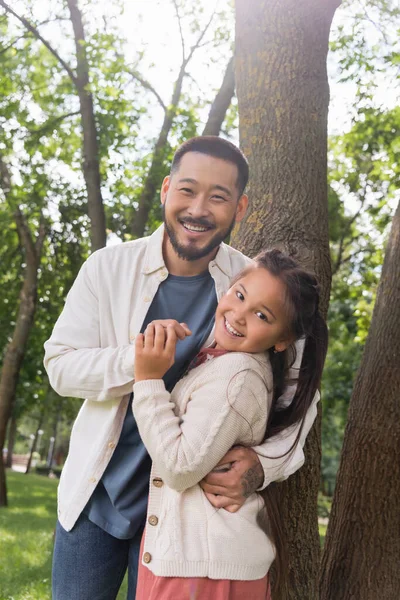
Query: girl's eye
[[261, 316], [240, 295]]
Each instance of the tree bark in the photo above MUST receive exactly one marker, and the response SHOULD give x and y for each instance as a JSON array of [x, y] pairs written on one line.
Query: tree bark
[[12, 431], [362, 546], [222, 101], [15, 350], [91, 164], [283, 96]]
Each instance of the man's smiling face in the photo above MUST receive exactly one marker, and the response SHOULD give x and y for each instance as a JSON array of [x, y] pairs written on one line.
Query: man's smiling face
[[201, 204]]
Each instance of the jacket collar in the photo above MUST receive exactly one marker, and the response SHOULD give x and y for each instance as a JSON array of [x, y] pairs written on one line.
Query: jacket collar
[[154, 259]]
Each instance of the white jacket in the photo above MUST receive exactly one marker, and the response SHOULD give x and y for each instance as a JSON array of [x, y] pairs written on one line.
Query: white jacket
[[90, 355]]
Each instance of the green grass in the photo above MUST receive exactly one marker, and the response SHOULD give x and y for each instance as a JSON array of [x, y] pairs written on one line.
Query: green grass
[[26, 538], [26, 533]]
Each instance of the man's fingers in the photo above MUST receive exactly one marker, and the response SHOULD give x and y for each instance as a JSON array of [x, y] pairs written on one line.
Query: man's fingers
[[225, 479], [223, 502], [213, 489], [232, 508]]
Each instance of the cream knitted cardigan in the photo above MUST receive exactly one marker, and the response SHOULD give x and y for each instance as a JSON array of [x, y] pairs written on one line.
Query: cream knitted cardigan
[[223, 402]]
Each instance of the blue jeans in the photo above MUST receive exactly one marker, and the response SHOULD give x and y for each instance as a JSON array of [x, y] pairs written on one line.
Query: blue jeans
[[90, 564]]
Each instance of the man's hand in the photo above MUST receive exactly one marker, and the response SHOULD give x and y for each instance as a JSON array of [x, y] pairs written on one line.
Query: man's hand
[[230, 488]]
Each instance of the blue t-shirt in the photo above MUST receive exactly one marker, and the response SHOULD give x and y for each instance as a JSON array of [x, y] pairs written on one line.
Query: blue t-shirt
[[118, 504]]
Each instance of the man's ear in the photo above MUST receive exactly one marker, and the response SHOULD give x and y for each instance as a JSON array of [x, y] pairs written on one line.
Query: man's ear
[[241, 207], [164, 189]]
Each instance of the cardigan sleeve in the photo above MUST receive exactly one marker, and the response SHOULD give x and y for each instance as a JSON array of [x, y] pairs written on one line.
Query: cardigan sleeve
[[220, 414], [76, 364]]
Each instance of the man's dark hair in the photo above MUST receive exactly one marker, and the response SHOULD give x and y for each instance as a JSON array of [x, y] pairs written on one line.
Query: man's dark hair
[[219, 148]]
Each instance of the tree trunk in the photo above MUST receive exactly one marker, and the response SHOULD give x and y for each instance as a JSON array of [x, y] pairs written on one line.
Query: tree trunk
[[34, 443], [362, 547], [91, 164], [283, 96], [222, 101], [12, 431], [15, 350]]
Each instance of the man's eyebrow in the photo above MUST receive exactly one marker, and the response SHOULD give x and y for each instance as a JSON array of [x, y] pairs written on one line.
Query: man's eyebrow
[[263, 305], [223, 189], [187, 180], [214, 187]]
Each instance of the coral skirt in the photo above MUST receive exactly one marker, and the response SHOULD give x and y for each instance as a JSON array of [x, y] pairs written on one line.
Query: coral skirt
[[150, 587]]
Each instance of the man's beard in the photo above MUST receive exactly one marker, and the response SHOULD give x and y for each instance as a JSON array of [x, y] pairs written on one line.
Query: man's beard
[[192, 253]]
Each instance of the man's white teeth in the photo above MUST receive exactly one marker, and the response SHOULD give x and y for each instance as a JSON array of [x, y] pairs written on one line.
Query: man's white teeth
[[194, 227], [232, 330]]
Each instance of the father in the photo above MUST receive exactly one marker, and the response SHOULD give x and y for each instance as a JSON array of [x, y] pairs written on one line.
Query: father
[[177, 273]]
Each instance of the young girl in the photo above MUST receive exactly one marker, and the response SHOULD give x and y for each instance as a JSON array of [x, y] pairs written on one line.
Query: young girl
[[228, 397]]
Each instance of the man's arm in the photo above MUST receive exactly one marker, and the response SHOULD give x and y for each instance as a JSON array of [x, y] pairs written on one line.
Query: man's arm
[[76, 364]]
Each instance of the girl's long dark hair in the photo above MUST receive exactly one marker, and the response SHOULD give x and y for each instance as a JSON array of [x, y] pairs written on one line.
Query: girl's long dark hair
[[305, 322]]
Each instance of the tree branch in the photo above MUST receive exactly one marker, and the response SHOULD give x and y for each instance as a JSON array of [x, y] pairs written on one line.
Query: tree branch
[[180, 29], [222, 101], [36, 33], [50, 124], [201, 36], [149, 87]]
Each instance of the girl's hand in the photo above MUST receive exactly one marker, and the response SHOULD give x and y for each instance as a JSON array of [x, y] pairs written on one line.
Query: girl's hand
[[154, 351]]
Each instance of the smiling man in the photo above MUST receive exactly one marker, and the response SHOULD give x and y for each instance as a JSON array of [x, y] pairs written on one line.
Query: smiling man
[[178, 273]]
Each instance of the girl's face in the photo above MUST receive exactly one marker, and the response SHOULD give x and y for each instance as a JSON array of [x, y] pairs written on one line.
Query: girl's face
[[251, 317]]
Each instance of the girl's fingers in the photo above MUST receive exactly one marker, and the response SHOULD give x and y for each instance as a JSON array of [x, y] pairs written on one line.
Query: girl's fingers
[[149, 336], [139, 342], [186, 328], [159, 338], [170, 344]]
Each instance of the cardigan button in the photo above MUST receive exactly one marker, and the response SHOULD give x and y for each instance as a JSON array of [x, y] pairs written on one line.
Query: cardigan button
[[158, 482], [153, 520], [146, 557]]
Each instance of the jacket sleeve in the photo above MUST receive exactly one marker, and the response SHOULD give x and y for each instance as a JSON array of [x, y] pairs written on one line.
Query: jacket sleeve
[[76, 364], [184, 449], [278, 469]]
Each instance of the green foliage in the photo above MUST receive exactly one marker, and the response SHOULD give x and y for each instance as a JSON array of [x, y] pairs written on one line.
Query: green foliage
[[364, 171]]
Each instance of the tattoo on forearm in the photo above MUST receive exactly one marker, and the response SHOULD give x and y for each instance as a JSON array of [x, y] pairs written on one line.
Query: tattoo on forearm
[[252, 479]]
